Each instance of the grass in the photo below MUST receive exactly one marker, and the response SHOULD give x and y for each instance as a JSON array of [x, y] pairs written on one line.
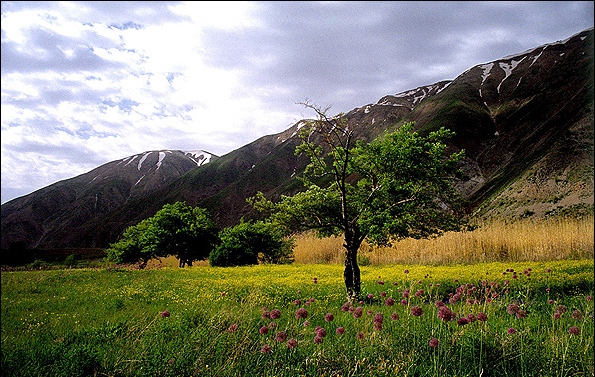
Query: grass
[[205, 321], [525, 240]]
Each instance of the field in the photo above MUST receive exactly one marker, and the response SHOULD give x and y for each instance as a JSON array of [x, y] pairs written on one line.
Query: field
[[422, 317]]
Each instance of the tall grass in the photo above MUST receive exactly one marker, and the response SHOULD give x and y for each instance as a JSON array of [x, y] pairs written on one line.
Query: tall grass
[[525, 240]]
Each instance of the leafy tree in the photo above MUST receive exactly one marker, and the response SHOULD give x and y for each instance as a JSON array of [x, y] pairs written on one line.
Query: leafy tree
[[251, 242], [130, 247], [399, 185], [177, 229]]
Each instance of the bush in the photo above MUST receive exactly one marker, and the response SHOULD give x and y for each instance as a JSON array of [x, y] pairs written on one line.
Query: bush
[[250, 243]]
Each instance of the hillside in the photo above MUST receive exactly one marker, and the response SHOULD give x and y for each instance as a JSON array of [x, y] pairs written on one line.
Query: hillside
[[525, 122]]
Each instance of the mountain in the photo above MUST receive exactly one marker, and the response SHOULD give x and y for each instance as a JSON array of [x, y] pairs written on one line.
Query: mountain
[[60, 209], [525, 122]]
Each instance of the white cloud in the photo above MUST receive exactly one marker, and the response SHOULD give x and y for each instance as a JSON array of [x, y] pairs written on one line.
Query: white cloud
[[85, 83]]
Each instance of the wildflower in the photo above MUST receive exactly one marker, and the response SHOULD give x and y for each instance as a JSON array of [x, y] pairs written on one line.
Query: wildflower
[[548, 270], [382, 294], [462, 321], [370, 312], [306, 323], [380, 282], [317, 339], [232, 328], [345, 307], [557, 315], [589, 298], [513, 308], [358, 312], [511, 331], [471, 317], [275, 313], [359, 335], [377, 326], [419, 292], [576, 314], [223, 293], [297, 302], [281, 336], [319, 330], [266, 349], [291, 343], [164, 314], [521, 313], [340, 330], [389, 301], [482, 317], [416, 311], [272, 325], [434, 343], [406, 271], [301, 313], [265, 315], [573, 330], [550, 301], [329, 317], [406, 293], [394, 316], [370, 296], [315, 280], [263, 330], [439, 304], [562, 309], [403, 302], [445, 314]]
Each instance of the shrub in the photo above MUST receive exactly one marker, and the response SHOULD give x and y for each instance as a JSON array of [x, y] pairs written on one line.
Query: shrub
[[250, 243]]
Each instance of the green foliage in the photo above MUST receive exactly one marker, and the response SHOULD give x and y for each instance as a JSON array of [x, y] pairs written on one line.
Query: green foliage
[[249, 243], [177, 229], [397, 186]]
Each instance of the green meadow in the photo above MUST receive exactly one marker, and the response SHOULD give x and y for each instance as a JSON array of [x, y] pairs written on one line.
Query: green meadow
[[487, 319]]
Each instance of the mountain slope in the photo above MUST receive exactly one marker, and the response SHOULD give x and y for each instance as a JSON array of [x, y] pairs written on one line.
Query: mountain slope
[[525, 122]]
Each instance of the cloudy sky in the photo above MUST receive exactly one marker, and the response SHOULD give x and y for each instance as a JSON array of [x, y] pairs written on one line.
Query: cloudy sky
[[86, 83]]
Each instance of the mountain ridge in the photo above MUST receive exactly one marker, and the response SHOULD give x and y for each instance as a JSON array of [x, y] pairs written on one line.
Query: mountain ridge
[[525, 122]]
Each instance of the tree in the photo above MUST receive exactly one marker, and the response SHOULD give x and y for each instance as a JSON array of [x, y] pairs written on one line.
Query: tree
[[397, 186], [177, 229], [251, 242]]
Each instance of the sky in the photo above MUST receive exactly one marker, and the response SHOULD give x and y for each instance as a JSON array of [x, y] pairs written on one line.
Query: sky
[[85, 83]]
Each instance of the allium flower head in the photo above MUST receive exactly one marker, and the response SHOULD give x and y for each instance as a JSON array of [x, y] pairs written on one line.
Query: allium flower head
[[275, 313], [382, 294], [358, 312], [164, 314], [318, 339], [329, 317], [281, 336], [434, 343], [301, 313], [320, 331], [573, 330], [394, 316], [416, 311], [482, 317], [370, 296], [576, 314], [266, 349], [263, 330], [291, 343], [232, 328], [511, 331], [359, 335], [389, 301], [340, 330], [462, 321]]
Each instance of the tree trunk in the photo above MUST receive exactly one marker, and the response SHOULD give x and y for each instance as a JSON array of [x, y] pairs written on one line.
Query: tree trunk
[[351, 274]]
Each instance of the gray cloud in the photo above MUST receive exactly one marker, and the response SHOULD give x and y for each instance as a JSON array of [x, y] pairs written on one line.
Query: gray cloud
[[75, 99]]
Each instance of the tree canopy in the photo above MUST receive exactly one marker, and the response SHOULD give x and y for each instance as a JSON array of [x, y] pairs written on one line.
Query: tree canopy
[[177, 229], [399, 185]]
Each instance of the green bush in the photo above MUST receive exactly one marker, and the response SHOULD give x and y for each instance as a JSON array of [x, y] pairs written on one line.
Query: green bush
[[250, 243]]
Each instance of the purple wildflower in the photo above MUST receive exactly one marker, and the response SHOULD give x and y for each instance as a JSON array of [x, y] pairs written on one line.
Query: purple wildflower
[[573, 330], [164, 314], [511, 331], [329, 317], [266, 349], [389, 301], [416, 311], [232, 328], [340, 330], [275, 313], [434, 343], [291, 343], [281, 336], [394, 316], [301, 313], [263, 330]]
